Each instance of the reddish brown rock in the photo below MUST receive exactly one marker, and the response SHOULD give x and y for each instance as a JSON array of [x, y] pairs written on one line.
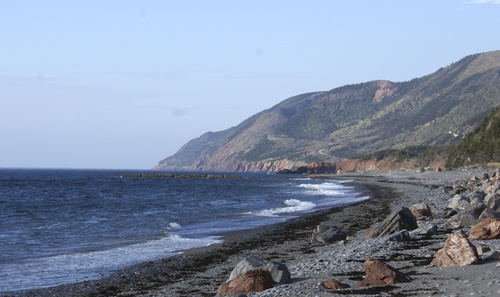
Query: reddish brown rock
[[256, 280], [421, 211], [334, 284], [376, 270], [488, 228], [457, 251]]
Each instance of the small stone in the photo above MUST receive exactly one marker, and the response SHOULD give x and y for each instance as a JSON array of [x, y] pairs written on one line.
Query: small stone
[[333, 284]]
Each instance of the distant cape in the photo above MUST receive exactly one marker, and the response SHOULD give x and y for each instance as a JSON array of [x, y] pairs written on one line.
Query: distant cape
[[352, 120]]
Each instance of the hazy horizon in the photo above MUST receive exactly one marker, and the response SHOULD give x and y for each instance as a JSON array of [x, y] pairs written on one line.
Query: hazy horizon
[[124, 84]]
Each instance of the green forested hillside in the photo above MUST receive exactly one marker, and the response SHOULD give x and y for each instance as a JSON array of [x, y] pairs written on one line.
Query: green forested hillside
[[481, 146]]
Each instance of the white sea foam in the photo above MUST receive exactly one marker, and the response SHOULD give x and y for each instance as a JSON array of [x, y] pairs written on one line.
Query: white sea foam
[[292, 205], [59, 269], [301, 178], [326, 189], [173, 226]]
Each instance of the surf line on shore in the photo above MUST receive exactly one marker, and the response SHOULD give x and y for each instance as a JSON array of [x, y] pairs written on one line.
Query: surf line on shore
[[188, 265]]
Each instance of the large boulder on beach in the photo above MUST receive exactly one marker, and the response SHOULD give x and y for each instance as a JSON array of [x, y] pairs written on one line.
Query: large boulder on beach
[[327, 234], [488, 228], [397, 221], [379, 273], [255, 280], [279, 271], [457, 251], [421, 211], [249, 263]]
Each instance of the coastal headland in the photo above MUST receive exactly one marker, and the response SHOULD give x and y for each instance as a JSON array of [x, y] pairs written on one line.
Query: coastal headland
[[200, 272]]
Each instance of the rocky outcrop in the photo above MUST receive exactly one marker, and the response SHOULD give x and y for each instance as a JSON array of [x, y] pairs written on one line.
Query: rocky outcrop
[[457, 251], [256, 280], [401, 219]]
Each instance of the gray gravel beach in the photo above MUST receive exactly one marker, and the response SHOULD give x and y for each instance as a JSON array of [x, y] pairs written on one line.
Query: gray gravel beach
[[199, 272]]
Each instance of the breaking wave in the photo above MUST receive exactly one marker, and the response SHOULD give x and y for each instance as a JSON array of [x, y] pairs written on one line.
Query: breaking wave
[[292, 205], [325, 189]]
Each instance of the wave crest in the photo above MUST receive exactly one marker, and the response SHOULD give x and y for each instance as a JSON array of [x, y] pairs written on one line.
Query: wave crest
[[325, 189], [292, 205]]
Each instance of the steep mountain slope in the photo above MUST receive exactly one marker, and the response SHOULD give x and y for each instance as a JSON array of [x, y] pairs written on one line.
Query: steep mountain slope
[[352, 120]]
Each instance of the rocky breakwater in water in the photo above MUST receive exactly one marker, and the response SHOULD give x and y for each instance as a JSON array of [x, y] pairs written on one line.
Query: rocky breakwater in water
[[434, 246], [178, 175]]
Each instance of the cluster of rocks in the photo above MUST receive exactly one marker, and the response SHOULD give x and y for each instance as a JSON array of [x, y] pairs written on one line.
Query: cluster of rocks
[[472, 213], [253, 274], [473, 200]]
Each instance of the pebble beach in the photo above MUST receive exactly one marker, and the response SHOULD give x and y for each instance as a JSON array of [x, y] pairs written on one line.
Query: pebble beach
[[200, 272]]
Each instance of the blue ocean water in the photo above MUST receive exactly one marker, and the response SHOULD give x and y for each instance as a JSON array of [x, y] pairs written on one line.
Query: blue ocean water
[[63, 226]]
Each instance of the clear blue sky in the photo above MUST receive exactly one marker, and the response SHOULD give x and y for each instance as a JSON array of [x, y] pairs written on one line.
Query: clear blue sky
[[124, 84]]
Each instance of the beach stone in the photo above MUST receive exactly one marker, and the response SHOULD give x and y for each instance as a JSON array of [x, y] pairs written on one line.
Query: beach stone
[[491, 186], [459, 202], [457, 251], [327, 234], [255, 280], [449, 213], [279, 271], [376, 270], [421, 211], [481, 249], [397, 221], [477, 198], [249, 263], [465, 218], [334, 284], [400, 236], [425, 230], [488, 228], [489, 213], [492, 200]]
